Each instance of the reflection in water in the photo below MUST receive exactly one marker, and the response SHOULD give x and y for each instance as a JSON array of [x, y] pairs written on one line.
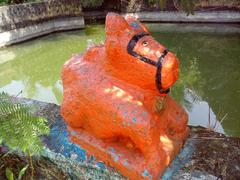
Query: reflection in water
[[200, 112], [215, 78], [200, 115], [185, 91], [37, 64], [6, 55], [44, 93], [209, 71], [14, 87]]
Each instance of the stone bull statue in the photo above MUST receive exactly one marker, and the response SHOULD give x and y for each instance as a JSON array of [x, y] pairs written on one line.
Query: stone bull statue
[[116, 104]]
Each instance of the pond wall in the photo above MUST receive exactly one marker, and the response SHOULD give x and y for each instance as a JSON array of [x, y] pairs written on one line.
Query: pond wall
[[205, 11], [25, 21], [220, 17], [181, 17]]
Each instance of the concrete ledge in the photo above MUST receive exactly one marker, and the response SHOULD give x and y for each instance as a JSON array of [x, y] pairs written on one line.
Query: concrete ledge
[[29, 32], [196, 27], [22, 15], [198, 17], [21, 22]]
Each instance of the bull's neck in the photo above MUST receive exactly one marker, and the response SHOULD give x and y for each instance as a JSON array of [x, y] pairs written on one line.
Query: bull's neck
[[128, 69]]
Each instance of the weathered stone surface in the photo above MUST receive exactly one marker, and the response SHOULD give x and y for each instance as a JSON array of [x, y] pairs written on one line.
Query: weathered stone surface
[[223, 16], [200, 17], [25, 21], [22, 15], [46, 27], [202, 5], [206, 154]]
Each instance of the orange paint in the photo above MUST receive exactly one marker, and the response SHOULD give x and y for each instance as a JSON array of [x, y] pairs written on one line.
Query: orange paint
[[113, 106]]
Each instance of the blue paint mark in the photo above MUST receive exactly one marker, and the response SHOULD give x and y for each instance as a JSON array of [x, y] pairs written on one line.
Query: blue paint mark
[[144, 114], [134, 119], [115, 157], [135, 25], [125, 162], [73, 133], [58, 142], [91, 159], [125, 114], [101, 165], [111, 150], [145, 173]]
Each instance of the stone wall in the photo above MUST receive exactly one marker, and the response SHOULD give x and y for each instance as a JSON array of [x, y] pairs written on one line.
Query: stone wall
[[24, 21], [230, 17], [205, 11], [134, 6]]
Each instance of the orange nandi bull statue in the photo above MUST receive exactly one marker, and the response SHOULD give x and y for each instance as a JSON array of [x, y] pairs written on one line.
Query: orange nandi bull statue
[[116, 104]]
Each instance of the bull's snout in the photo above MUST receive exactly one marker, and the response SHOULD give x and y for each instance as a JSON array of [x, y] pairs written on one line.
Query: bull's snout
[[170, 70]]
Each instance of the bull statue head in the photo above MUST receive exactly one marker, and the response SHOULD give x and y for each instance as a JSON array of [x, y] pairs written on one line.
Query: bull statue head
[[141, 59]]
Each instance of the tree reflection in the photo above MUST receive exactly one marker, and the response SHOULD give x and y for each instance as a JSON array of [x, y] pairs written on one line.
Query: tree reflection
[[189, 82], [38, 63]]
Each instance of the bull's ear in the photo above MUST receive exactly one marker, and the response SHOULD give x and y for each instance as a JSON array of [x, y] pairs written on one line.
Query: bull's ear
[[135, 24], [115, 23]]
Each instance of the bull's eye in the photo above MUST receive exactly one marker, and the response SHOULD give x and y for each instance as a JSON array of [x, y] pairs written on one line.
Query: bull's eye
[[144, 43]]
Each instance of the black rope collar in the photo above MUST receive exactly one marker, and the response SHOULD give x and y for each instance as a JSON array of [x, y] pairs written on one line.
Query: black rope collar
[[132, 43]]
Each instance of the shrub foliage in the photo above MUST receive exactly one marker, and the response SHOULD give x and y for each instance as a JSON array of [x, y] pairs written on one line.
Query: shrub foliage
[[91, 3], [20, 130]]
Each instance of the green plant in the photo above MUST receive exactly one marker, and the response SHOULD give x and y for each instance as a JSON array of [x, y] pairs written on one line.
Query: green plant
[[15, 1], [91, 3], [6, 2], [182, 5], [3, 2], [10, 175], [187, 83], [19, 129], [185, 5]]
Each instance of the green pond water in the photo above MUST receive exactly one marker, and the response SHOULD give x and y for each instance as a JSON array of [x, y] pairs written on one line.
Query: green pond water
[[208, 87]]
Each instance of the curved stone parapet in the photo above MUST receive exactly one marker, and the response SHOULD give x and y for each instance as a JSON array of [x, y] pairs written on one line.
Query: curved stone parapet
[[25, 21], [181, 17]]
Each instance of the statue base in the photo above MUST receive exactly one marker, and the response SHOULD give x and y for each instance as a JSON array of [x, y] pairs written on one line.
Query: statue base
[[129, 161]]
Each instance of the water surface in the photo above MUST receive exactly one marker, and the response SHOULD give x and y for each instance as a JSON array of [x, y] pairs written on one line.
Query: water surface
[[208, 87]]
